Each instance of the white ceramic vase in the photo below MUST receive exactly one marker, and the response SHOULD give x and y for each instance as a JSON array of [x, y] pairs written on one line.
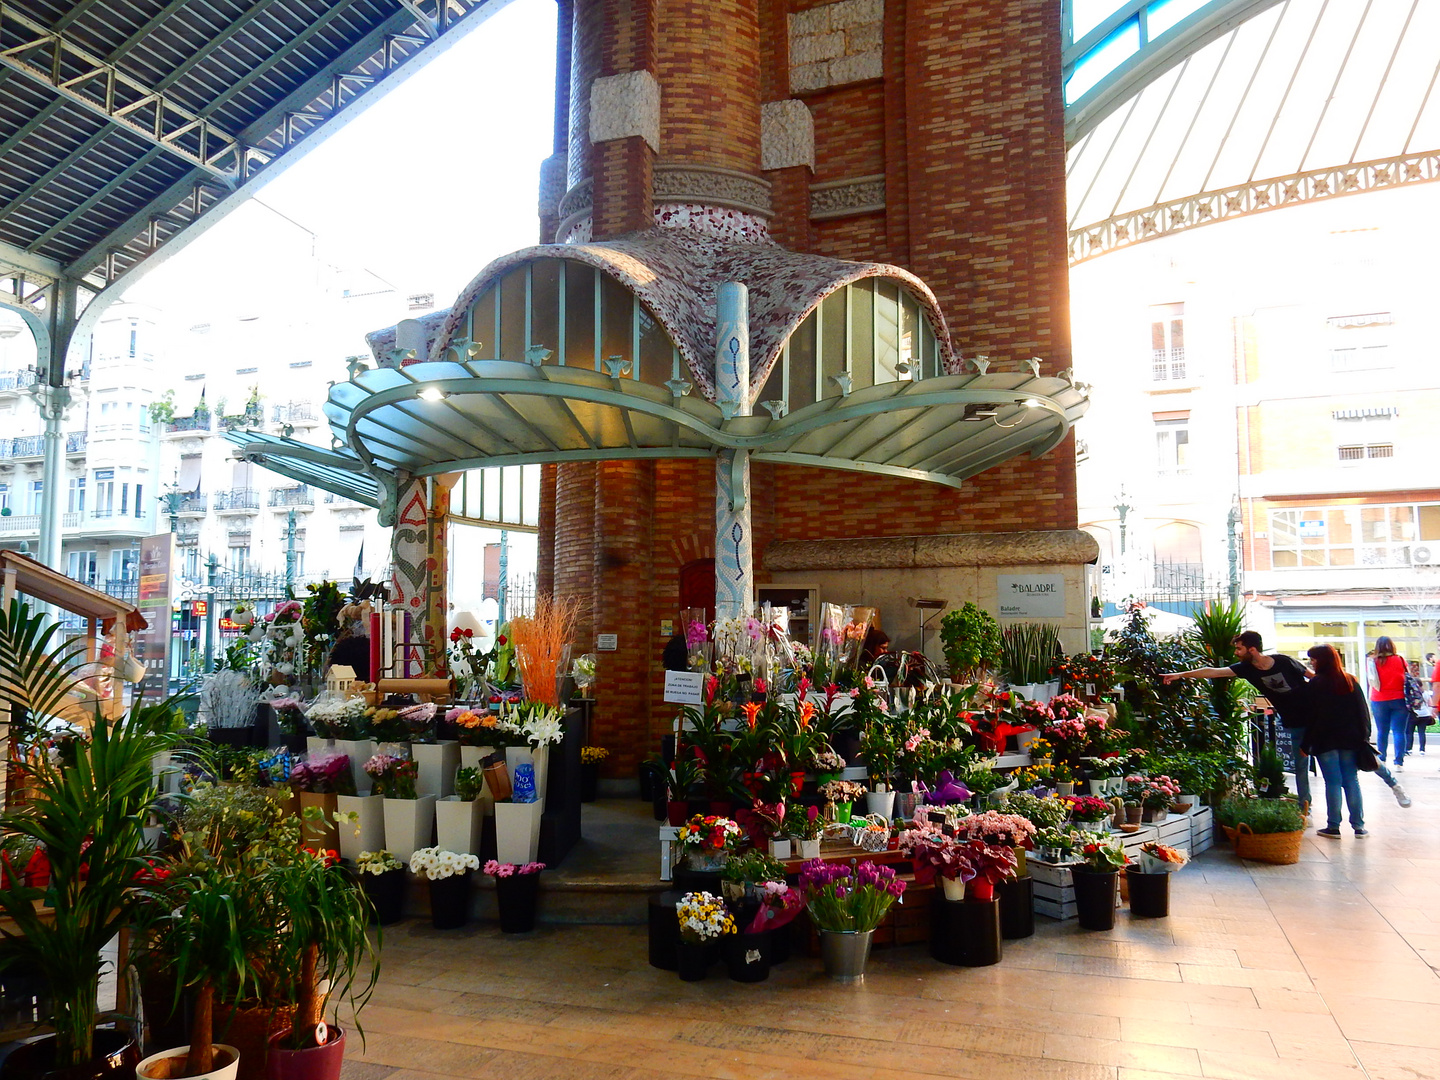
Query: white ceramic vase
[[371, 826], [147, 1069], [458, 824], [809, 849], [780, 849], [409, 824], [880, 802]]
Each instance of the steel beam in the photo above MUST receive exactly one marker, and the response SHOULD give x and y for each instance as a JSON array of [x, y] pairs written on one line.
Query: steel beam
[[90, 203], [55, 171]]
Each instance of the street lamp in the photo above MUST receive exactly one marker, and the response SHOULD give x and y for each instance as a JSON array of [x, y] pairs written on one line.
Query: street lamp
[[171, 498], [1121, 509]]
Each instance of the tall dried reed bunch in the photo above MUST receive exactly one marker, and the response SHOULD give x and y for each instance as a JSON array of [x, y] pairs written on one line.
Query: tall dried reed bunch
[[540, 641]]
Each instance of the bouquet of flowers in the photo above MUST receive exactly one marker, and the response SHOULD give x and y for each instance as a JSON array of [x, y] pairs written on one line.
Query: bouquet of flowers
[[437, 863], [540, 723], [1088, 808], [508, 869], [1035, 714], [1040, 750], [582, 670], [1103, 854], [1043, 812], [779, 904], [936, 855], [480, 728], [1158, 858], [323, 774], [703, 917], [1000, 830], [1069, 707], [393, 777], [335, 718], [841, 791], [709, 834], [469, 782], [1159, 792], [1068, 736], [840, 899], [1058, 843], [377, 862], [386, 726], [593, 755]]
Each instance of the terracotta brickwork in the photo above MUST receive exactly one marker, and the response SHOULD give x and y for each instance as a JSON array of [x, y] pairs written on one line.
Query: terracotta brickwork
[[708, 64], [966, 127]]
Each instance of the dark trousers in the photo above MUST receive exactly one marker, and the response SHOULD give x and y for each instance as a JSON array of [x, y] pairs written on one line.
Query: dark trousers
[[1417, 723]]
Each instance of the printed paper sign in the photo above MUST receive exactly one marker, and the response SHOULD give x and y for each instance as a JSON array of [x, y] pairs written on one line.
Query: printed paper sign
[[685, 687], [1029, 596], [607, 642]]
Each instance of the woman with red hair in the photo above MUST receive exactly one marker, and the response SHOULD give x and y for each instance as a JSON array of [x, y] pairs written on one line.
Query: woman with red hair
[[1337, 734]]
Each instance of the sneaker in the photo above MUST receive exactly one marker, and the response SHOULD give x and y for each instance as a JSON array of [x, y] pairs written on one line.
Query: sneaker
[[1329, 834], [1360, 834], [1400, 766], [1400, 796]]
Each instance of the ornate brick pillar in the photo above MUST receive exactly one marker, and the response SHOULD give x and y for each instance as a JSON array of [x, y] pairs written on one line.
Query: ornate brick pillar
[[418, 552]]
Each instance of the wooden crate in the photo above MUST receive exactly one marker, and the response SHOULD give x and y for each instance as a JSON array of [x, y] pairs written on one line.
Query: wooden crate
[[1057, 911], [1174, 832], [1202, 830], [1132, 842]]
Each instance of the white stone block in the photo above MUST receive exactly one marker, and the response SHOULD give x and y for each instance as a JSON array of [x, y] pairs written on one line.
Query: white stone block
[[848, 13], [814, 21], [859, 39], [787, 135], [809, 77], [625, 105], [848, 69], [812, 48]]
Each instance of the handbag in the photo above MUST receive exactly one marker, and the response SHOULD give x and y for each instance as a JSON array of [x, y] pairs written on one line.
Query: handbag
[[1367, 758]]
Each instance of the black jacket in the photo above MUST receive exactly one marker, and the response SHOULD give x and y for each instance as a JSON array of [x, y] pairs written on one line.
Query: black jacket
[[1338, 721]]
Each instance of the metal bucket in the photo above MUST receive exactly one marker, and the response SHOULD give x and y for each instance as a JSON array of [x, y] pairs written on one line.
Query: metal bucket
[[844, 953]]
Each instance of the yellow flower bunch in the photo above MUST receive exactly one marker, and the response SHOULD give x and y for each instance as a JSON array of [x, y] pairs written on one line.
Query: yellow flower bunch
[[703, 916], [593, 755]]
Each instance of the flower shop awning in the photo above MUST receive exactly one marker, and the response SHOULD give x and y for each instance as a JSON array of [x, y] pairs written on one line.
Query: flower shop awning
[[441, 416], [336, 471]]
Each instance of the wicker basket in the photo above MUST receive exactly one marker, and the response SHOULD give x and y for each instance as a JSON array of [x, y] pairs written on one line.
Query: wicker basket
[[1281, 848]]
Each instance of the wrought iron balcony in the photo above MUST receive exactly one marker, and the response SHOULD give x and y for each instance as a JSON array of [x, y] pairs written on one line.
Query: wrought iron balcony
[[296, 412], [188, 423], [297, 497], [237, 500]]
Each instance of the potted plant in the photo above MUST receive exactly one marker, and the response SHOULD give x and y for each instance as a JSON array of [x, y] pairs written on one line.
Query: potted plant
[[846, 906], [840, 796], [89, 817], [877, 746], [1090, 813], [382, 876], [760, 921], [1156, 796], [804, 825], [1265, 830], [703, 920], [1097, 886], [317, 782], [743, 874], [448, 873], [517, 894], [324, 948], [706, 842], [409, 817], [458, 817], [971, 637], [936, 855], [1149, 882], [1063, 778], [591, 758]]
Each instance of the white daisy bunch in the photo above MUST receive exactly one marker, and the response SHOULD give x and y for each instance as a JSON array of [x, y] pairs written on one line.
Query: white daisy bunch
[[332, 709], [703, 916], [436, 863], [374, 862]]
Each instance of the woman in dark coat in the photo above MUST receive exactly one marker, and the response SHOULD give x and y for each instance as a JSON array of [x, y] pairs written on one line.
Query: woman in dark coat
[[1338, 732]]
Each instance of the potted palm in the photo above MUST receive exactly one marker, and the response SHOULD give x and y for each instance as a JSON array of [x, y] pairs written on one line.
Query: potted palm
[[325, 945], [89, 816]]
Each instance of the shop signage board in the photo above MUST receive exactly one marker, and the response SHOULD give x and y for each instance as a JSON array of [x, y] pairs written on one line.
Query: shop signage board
[[685, 687], [153, 643], [1030, 596]]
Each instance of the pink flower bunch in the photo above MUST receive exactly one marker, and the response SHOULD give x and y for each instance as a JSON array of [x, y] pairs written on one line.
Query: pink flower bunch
[[933, 853], [510, 869], [1088, 808], [323, 774], [1036, 713], [993, 827], [915, 740], [1069, 707]]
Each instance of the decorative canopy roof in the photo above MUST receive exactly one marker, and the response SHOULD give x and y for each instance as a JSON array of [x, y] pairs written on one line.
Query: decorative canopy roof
[[337, 471]]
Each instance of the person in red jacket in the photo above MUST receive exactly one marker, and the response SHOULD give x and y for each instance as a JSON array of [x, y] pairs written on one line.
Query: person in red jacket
[[1387, 700]]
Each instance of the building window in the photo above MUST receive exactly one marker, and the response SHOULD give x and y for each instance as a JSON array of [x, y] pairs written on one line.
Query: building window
[[239, 557], [1360, 342], [4, 496], [139, 490], [1167, 342], [124, 499], [104, 492], [81, 566], [132, 341], [75, 502], [1172, 446], [124, 565], [1346, 536], [37, 495], [1367, 451]]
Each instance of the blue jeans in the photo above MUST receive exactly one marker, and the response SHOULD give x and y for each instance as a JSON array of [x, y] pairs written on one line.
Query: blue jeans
[[1300, 762], [1338, 768], [1392, 724]]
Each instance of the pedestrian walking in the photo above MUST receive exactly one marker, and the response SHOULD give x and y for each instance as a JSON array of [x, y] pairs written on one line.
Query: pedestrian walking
[[1387, 701], [1423, 714]]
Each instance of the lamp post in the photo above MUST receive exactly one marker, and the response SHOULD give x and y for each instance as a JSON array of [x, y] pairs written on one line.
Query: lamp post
[[171, 498], [1121, 509]]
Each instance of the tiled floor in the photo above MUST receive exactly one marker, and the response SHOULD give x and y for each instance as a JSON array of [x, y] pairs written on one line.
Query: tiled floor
[[1317, 971]]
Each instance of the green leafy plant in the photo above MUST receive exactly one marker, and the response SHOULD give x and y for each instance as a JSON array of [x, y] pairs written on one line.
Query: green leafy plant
[[162, 410], [1261, 815], [1026, 652], [971, 637], [468, 783], [89, 816], [38, 668], [1270, 772], [753, 866]]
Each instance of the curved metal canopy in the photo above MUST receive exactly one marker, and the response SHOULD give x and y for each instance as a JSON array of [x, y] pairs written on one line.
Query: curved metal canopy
[[336, 471], [127, 128], [439, 417], [1245, 107]]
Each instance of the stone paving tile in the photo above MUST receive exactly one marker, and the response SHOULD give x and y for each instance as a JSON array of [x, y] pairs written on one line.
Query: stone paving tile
[[1323, 970]]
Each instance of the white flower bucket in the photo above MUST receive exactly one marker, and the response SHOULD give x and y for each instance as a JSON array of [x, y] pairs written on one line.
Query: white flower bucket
[[517, 832], [780, 849], [436, 764], [457, 824], [409, 824], [371, 826], [539, 758], [314, 744], [880, 802], [358, 751], [156, 1066], [954, 888], [809, 849]]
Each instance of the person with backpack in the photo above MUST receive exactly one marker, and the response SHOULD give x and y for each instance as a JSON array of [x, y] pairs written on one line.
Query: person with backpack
[[1387, 700]]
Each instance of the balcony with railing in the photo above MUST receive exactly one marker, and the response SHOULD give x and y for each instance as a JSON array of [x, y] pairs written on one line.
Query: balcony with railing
[[237, 501], [188, 425], [192, 503], [33, 446], [120, 588], [297, 414], [292, 498], [17, 380], [20, 525]]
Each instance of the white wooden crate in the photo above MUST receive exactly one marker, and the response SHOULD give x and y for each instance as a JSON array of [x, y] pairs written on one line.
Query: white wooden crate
[[1175, 832], [1132, 842], [668, 835], [1202, 830], [1052, 910]]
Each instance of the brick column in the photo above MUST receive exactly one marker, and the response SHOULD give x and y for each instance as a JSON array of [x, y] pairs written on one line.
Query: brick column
[[545, 540], [623, 567], [574, 547]]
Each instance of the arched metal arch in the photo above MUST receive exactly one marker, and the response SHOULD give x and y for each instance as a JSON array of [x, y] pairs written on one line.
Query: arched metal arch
[[37, 324], [1123, 43]]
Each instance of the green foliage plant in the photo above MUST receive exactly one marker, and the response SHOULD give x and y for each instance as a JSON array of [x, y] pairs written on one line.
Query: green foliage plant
[[38, 668], [1261, 815], [971, 637], [89, 815], [1026, 652]]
